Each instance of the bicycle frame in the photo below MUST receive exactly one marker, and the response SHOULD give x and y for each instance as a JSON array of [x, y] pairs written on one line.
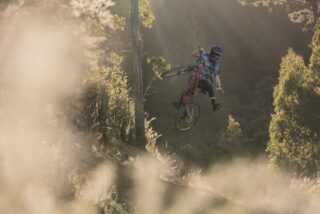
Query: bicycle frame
[[192, 87], [189, 114]]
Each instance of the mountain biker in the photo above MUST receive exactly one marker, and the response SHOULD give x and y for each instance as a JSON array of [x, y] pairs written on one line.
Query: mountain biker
[[211, 67]]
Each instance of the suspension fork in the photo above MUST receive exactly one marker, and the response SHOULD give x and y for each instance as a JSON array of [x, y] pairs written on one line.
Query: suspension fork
[[195, 93]]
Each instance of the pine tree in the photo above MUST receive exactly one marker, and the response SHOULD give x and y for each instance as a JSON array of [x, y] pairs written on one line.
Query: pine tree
[[294, 129], [232, 138], [137, 76], [234, 133]]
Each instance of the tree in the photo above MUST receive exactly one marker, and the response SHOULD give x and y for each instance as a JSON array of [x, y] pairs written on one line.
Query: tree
[[234, 133], [294, 129], [119, 43], [137, 75], [299, 11], [231, 139]]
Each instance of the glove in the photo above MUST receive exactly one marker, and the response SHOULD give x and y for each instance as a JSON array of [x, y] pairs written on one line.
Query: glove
[[220, 89]]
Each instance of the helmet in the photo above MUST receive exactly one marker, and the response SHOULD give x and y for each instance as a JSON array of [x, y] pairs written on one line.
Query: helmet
[[216, 50]]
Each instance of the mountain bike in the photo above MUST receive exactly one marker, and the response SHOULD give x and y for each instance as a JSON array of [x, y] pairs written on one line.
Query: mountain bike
[[188, 109]]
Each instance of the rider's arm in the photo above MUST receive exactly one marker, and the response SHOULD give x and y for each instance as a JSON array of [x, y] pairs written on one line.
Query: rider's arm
[[218, 81], [217, 72], [219, 88], [197, 53]]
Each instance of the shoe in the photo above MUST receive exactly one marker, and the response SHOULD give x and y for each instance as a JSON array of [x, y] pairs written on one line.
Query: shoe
[[216, 106], [176, 104]]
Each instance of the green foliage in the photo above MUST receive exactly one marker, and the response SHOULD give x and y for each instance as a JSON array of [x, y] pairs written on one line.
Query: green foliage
[[107, 103], [234, 133], [231, 140], [151, 136], [315, 60], [102, 113], [294, 128], [121, 112], [106, 107], [159, 65], [146, 14], [305, 12], [118, 22]]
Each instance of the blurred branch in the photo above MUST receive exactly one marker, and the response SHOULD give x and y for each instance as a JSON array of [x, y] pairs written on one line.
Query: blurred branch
[[147, 90], [299, 11]]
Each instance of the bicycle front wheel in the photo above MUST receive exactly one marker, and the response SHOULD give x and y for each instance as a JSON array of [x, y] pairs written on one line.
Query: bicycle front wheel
[[187, 116]]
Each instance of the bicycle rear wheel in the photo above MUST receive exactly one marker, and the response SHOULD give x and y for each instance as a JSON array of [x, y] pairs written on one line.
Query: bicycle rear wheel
[[187, 116]]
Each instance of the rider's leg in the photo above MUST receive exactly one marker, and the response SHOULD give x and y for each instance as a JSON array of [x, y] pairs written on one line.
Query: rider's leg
[[189, 88], [207, 87]]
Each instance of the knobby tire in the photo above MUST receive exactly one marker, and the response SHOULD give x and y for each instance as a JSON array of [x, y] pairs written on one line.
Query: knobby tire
[[182, 118]]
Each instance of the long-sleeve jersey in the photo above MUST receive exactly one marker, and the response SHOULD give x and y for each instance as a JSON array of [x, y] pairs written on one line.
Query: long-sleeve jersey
[[210, 67]]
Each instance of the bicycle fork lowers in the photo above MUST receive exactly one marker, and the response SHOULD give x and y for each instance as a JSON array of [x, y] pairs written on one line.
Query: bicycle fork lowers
[[188, 115]]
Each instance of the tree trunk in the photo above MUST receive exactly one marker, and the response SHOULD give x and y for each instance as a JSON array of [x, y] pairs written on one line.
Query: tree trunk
[[137, 76]]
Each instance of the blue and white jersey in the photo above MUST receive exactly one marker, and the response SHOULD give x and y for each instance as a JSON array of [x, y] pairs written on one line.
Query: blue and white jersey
[[210, 67]]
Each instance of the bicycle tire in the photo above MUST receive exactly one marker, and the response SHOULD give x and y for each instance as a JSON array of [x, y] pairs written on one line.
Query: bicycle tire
[[182, 117]]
